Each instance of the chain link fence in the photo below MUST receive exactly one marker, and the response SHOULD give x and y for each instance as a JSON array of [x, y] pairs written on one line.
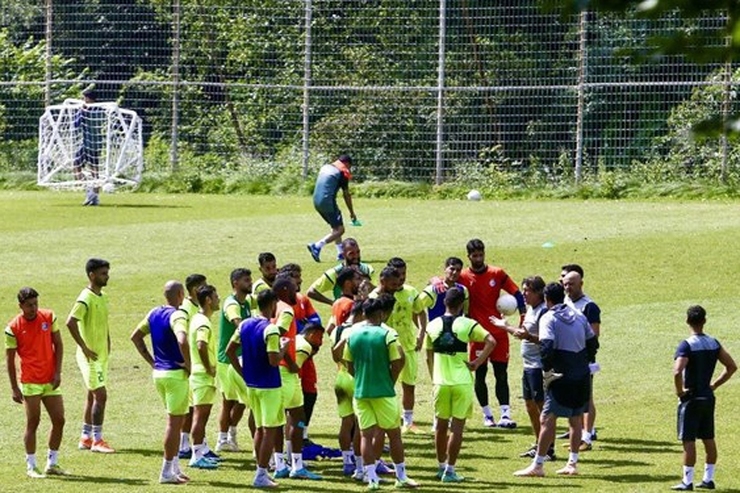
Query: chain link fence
[[415, 90]]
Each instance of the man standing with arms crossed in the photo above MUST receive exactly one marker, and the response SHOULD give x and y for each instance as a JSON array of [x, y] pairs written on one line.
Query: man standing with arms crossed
[[484, 283], [34, 337], [695, 360], [171, 367], [332, 177], [88, 325]]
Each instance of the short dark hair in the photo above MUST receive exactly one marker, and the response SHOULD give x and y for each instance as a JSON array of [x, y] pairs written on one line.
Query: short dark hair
[[265, 257], [454, 297], [475, 245], [535, 283], [238, 273], [454, 261], [350, 243], [372, 306], [27, 293], [312, 326], [397, 263], [389, 272], [205, 291], [265, 297], [345, 159], [346, 274], [94, 264], [194, 280], [290, 269], [573, 268], [555, 293], [91, 93], [282, 281], [387, 301], [696, 315]]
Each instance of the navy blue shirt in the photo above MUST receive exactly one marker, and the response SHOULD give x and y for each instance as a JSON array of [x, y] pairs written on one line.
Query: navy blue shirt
[[702, 352]]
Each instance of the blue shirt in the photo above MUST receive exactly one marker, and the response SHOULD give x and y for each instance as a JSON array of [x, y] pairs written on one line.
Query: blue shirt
[[167, 354], [328, 183], [256, 368], [702, 352]]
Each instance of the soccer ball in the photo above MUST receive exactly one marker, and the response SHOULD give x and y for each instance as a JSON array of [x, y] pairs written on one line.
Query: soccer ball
[[109, 188], [474, 195], [506, 304]]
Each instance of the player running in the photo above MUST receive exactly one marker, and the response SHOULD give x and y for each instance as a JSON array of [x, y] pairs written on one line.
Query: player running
[[34, 338]]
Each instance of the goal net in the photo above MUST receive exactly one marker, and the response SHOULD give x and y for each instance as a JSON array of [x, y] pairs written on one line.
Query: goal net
[[89, 145]]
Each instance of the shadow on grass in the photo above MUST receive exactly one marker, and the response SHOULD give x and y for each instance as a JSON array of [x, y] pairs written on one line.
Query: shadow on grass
[[647, 443], [128, 206], [144, 452], [637, 478], [98, 480]]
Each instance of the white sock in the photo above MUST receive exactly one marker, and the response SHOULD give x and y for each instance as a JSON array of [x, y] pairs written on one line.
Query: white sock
[[585, 436], [167, 468], [261, 471], [97, 431], [319, 244], [708, 473], [346, 457], [442, 466], [359, 463], [449, 469], [297, 461], [31, 461], [184, 441], [199, 450], [222, 436], [539, 460], [176, 465], [401, 471], [573, 458], [52, 457], [339, 248], [370, 473], [231, 434], [505, 412], [288, 448], [279, 461], [688, 475], [86, 431], [408, 417], [487, 411]]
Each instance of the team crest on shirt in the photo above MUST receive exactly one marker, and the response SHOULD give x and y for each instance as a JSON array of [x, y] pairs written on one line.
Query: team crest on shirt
[[44, 326], [492, 283]]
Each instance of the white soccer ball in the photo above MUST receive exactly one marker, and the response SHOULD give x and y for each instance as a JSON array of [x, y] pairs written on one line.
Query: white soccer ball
[[109, 188], [506, 304], [474, 195]]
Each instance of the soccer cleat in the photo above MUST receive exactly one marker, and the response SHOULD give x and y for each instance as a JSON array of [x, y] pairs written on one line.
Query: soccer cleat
[[330, 453], [683, 487], [488, 422], [173, 479], [533, 471], [413, 429], [185, 454], [373, 485], [506, 423], [440, 472], [55, 470], [594, 437], [452, 478], [564, 436], [531, 452], [85, 443], [585, 446], [202, 463], [226, 447], [264, 482], [569, 470], [304, 474], [184, 477], [101, 447], [212, 456], [705, 485], [384, 469], [550, 456], [35, 473], [348, 469], [282, 473], [359, 475], [406, 484], [314, 251]]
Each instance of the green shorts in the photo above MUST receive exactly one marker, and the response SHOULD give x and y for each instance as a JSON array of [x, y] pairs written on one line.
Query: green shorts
[[381, 411], [344, 389], [39, 389], [267, 407], [94, 373], [173, 388], [291, 389], [410, 367], [230, 383], [203, 387], [453, 401]]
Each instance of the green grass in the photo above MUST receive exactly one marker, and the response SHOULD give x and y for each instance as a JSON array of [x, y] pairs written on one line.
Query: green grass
[[645, 263]]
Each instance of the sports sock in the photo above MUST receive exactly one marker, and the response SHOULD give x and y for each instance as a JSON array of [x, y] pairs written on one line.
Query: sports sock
[[401, 471], [370, 473], [487, 412], [319, 244], [97, 432], [708, 473], [222, 436], [688, 475], [279, 461], [408, 417], [539, 460], [442, 465], [346, 457], [505, 412], [359, 463], [449, 469], [297, 461], [166, 468], [199, 450], [184, 441], [288, 448], [86, 431], [339, 249], [585, 436], [31, 461], [573, 458], [231, 434], [52, 457], [176, 465], [261, 472]]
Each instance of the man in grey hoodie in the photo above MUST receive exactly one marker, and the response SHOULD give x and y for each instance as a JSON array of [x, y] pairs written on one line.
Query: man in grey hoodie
[[567, 344]]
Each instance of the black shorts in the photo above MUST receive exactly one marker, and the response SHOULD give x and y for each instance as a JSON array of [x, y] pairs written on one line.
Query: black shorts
[[532, 387], [696, 419], [330, 213]]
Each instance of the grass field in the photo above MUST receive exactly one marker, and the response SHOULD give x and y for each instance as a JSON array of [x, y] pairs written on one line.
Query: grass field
[[645, 263]]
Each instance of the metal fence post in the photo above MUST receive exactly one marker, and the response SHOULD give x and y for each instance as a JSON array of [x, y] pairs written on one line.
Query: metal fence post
[[174, 165], [49, 38], [580, 87], [440, 92], [306, 89]]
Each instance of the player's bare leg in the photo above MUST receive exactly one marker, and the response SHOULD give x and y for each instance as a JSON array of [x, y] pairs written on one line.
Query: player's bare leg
[[55, 407]]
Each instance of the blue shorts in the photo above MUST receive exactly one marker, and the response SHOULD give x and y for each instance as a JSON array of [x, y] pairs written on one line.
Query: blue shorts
[[532, 387], [552, 406], [330, 213], [696, 419]]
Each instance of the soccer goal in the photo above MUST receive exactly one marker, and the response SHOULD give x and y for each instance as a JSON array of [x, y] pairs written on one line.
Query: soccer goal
[[89, 145]]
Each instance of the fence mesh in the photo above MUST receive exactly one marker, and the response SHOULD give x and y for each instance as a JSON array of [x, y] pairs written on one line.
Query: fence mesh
[[423, 90]]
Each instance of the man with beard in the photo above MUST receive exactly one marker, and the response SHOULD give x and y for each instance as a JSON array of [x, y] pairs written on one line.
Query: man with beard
[[327, 283]]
